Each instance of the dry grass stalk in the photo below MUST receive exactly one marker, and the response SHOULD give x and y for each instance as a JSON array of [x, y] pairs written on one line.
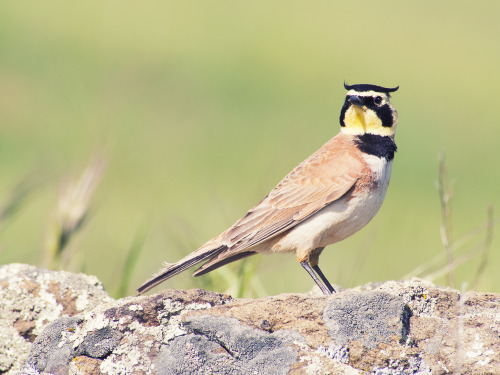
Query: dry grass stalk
[[451, 256], [72, 210], [445, 194]]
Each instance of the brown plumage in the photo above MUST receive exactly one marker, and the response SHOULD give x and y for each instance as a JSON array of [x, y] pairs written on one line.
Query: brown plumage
[[324, 177], [325, 199]]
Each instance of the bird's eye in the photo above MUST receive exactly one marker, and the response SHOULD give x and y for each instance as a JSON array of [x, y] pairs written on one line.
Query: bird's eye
[[378, 100]]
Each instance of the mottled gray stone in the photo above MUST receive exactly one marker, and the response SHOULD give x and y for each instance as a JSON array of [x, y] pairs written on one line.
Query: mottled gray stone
[[50, 351], [224, 346], [31, 298], [100, 343], [370, 317]]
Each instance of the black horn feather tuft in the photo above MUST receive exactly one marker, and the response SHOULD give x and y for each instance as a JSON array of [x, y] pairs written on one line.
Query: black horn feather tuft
[[366, 87]]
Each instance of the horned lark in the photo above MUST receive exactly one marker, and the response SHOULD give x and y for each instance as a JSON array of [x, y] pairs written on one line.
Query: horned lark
[[328, 197]]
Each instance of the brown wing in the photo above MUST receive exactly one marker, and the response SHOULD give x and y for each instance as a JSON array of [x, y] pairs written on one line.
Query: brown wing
[[321, 179]]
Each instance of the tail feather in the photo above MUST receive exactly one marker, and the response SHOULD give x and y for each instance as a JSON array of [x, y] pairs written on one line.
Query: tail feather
[[215, 262], [173, 269]]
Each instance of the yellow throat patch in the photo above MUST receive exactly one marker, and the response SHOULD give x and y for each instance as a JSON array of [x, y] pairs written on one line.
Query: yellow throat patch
[[362, 120]]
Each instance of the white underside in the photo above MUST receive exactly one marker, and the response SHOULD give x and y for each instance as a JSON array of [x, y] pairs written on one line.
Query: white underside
[[338, 220]]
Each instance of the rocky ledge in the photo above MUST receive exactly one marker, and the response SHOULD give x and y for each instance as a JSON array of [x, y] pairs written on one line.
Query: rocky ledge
[[64, 323]]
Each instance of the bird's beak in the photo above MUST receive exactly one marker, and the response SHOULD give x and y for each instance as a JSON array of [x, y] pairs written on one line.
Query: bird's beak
[[355, 100]]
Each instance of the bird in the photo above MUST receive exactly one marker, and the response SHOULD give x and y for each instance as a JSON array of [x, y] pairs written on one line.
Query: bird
[[328, 197]]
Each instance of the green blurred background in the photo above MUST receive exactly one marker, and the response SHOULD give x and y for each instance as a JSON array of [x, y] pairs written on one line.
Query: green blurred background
[[200, 108]]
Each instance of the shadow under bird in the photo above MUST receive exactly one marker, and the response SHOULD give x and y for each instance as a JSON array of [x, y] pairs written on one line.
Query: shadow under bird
[[328, 197]]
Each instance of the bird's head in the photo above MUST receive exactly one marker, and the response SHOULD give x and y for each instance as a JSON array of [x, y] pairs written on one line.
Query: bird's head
[[367, 110]]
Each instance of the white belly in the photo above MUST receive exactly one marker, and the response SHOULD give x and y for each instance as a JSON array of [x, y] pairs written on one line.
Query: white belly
[[341, 218]]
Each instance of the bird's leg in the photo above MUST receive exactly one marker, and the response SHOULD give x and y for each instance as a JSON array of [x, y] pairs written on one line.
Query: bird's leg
[[323, 278], [318, 282], [313, 262]]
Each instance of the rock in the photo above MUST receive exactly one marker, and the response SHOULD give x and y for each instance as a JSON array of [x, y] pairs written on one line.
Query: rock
[[31, 298], [406, 327]]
